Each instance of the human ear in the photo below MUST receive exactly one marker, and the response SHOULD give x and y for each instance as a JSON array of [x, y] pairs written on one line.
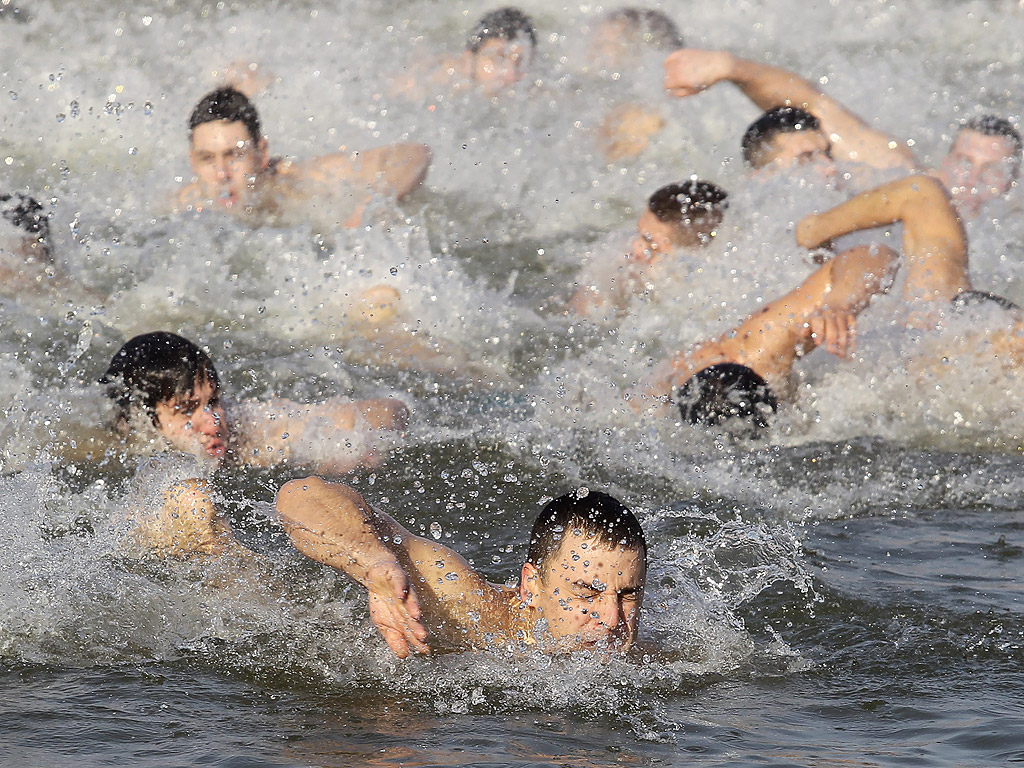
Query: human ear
[[527, 581]]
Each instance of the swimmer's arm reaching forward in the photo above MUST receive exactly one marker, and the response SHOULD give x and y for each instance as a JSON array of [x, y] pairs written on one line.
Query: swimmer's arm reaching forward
[[410, 580], [934, 244], [689, 71]]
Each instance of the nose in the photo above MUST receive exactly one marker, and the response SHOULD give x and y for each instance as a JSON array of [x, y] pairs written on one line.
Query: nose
[[207, 421], [223, 169], [608, 611]]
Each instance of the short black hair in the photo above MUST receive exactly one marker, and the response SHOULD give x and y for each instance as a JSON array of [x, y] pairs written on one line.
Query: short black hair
[[969, 299], [25, 213], [676, 203], [647, 26], [769, 125], [508, 23], [153, 368], [723, 392], [592, 513], [226, 104], [993, 125]]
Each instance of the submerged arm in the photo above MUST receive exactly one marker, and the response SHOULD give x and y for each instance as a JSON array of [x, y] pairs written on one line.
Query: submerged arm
[[689, 71]]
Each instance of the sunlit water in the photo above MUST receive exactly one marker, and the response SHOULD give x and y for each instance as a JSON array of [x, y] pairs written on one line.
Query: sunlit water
[[845, 592]]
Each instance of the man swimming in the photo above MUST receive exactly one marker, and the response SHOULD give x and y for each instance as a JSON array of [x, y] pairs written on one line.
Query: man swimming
[[167, 394], [497, 55], [677, 217], [982, 163], [235, 172], [581, 587], [747, 370]]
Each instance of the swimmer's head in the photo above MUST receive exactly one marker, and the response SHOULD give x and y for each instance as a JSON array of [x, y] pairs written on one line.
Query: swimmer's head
[[500, 48], [227, 149], [24, 228], [724, 392], [585, 571], [168, 381], [623, 33], [983, 162], [787, 137], [679, 215]]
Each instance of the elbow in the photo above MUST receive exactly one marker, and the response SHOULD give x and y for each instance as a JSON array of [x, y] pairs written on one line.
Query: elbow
[[296, 493]]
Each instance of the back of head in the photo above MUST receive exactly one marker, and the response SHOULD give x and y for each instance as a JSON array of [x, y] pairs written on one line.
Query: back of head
[[25, 223], [646, 27], [693, 199], [153, 368], [758, 137], [508, 24], [726, 391], [993, 125], [588, 513], [229, 105]]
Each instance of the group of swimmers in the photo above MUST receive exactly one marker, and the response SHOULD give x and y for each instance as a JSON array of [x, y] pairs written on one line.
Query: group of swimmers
[[583, 581]]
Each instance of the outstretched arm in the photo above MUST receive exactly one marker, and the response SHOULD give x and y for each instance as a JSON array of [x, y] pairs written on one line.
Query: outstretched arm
[[332, 524], [689, 71], [934, 244]]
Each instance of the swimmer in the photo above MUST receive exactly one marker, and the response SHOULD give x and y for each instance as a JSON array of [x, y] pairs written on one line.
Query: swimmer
[[982, 163], [27, 264], [497, 55], [235, 173], [745, 371], [618, 40], [581, 587], [167, 395], [677, 218], [822, 311]]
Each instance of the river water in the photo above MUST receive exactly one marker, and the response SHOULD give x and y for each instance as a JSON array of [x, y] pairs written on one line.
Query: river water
[[844, 592]]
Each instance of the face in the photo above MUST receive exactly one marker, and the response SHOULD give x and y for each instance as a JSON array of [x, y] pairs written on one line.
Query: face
[[810, 149], [609, 47], [589, 593], [499, 64], [194, 423], [978, 168], [226, 161], [655, 238]]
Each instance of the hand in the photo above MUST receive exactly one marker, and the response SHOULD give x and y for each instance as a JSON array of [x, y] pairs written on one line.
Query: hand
[[395, 609], [809, 232], [837, 331], [689, 71]]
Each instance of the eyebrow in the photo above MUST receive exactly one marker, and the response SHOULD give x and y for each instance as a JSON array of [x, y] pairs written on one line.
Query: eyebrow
[[623, 591]]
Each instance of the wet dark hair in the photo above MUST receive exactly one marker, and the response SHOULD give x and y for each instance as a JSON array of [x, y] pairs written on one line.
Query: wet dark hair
[[153, 368], [25, 212], [508, 23], [969, 299], [226, 104], [676, 203], [769, 125], [993, 125], [647, 26], [723, 392], [593, 513], [13, 12]]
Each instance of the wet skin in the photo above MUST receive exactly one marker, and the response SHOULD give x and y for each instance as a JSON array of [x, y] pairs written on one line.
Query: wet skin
[[226, 162], [195, 423]]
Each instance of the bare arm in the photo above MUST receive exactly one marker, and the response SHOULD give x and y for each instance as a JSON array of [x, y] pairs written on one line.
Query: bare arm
[[689, 71], [332, 524], [186, 524], [934, 244], [395, 169]]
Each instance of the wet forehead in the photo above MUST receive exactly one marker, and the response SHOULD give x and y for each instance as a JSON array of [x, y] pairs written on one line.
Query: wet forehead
[[220, 136], [588, 560], [203, 392], [791, 144], [981, 147]]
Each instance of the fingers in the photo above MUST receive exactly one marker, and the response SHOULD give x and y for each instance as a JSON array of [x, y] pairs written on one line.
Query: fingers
[[836, 331]]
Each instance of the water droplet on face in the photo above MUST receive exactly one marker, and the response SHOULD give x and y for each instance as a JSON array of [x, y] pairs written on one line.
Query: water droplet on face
[[451, 576]]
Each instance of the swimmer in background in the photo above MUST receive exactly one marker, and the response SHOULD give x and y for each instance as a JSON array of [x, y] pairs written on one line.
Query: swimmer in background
[[235, 173], [581, 587], [497, 55], [617, 43], [167, 396], [748, 369], [982, 163], [27, 265], [678, 218]]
